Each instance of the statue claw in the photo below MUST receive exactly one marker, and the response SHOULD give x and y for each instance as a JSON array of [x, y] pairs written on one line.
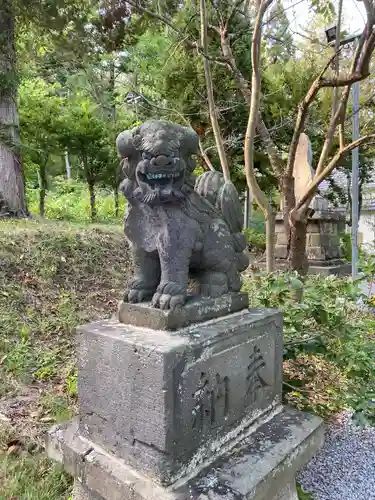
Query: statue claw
[[137, 292], [134, 296], [168, 296]]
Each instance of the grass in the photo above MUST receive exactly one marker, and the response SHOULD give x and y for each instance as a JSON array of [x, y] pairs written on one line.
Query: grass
[[27, 474], [54, 276]]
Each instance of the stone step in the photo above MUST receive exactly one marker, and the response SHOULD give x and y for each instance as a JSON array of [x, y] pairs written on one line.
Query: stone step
[[261, 467]]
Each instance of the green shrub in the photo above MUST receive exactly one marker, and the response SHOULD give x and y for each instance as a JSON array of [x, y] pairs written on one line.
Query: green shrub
[[256, 241], [346, 246], [258, 223], [69, 200], [256, 232], [329, 343]]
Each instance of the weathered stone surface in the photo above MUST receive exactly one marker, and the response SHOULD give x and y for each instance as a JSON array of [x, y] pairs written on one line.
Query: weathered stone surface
[[281, 252], [162, 401], [81, 492], [316, 240], [196, 310], [342, 269], [179, 226], [335, 267], [326, 227], [302, 170], [313, 227], [319, 203], [281, 239], [279, 226], [261, 467], [315, 253], [101, 475]]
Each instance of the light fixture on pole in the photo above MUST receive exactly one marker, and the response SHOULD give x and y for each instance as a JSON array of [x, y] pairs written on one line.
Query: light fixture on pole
[[331, 34]]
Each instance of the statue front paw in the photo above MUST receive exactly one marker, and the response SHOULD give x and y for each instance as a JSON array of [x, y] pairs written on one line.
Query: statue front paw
[[169, 295], [138, 291]]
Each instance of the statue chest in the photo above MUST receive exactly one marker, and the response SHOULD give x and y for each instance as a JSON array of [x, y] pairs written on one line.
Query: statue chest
[[145, 226]]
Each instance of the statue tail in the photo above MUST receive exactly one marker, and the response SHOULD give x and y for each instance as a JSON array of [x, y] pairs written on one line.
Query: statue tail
[[224, 197]]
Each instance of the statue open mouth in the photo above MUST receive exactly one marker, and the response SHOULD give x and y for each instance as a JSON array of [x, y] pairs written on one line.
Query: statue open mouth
[[160, 178], [160, 186]]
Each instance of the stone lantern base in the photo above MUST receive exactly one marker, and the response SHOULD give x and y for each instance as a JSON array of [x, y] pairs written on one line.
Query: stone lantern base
[[322, 243]]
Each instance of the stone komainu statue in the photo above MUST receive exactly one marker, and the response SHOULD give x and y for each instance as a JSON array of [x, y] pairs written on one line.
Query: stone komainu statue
[[179, 226]]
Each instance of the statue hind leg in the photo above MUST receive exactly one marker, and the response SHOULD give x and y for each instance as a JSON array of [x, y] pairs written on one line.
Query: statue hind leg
[[219, 273], [146, 277], [216, 282]]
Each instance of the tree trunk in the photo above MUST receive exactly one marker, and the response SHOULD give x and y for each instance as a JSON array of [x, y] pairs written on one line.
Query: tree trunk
[[115, 194], [298, 259], [67, 165], [289, 202], [92, 200], [112, 85], [295, 230], [12, 186], [42, 187]]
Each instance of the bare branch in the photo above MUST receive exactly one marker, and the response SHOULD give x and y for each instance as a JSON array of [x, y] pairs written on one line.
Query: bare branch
[[186, 121], [275, 158], [369, 10], [237, 4], [244, 87], [337, 58], [359, 71], [215, 59], [163, 19], [277, 14], [210, 94], [205, 157], [310, 191], [214, 28], [252, 182], [302, 115]]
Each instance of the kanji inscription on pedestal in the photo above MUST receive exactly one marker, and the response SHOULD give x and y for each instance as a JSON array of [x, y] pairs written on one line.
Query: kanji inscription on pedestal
[[254, 379], [212, 400], [216, 396]]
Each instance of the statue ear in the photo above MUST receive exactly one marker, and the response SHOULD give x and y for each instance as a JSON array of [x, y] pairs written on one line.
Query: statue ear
[[124, 144], [189, 141], [127, 153]]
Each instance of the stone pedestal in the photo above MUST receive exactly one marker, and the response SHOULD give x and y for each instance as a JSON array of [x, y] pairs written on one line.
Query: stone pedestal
[[322, 243], [193, 413]]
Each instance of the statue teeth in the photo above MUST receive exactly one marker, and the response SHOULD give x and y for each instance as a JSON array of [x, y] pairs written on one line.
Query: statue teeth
[[162, 176]]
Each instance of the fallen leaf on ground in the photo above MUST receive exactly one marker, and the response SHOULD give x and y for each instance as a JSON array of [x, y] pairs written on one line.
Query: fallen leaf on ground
[[46, 419], [14, 446]]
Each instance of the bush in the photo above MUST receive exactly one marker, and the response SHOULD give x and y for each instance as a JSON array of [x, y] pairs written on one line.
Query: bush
[[256, 241], [329, 343], [346, 246], [69, 200], [256, 233]]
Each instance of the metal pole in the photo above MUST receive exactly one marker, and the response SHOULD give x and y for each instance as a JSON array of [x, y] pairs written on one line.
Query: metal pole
[[355, 181]]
